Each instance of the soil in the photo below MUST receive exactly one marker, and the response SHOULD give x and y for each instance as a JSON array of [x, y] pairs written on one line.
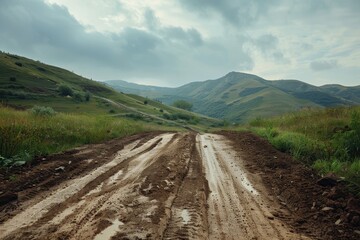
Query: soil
[[174, 186], [320, 212]]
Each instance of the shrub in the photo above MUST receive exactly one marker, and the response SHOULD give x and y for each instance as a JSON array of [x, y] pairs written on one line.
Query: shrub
[[347, 143], [87, 96], [170, 116], [78, 97], [146, 102], [300, 146], [19, 64], [135, 116], [269, 133], [183, 105], [13, 79], [43, 111], [65, 90]]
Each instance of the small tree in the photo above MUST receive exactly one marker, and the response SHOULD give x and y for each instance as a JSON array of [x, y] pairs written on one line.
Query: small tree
[[183, 105], [65, 90], [87, 96], [78, 97]]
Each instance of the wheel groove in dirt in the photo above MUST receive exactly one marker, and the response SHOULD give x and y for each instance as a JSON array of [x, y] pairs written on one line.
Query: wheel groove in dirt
[[236, 209], [188, 218], [31, 215]]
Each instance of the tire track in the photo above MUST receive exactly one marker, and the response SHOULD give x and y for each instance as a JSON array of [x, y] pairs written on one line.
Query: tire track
[[38, 215], [188, 213], [236, 209]]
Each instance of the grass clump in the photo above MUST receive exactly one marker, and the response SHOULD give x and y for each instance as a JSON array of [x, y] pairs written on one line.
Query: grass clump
[[25, 134], [326, 139], [42, 111]]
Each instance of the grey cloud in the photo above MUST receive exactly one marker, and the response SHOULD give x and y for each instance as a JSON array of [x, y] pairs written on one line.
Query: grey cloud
[[174, 54], [51, 34], [323, 65], [191, 36], [240, 13], [175, 34], [138, 41], [151, 21], [31, 25], [268, 45], [267, 42]]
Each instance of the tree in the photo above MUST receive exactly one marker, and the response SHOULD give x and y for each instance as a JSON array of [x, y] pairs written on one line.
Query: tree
[[87, 96], [65, 90], [183, 105]]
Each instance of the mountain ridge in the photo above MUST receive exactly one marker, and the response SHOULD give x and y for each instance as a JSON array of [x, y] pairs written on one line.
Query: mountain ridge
[[239, 97]]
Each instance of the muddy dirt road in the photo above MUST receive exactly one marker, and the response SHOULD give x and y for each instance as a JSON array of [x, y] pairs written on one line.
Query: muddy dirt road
[[237, 210], [154, 186]]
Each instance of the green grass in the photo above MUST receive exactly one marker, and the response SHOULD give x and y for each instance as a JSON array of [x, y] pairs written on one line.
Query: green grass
[[24, 134], [326, 139]]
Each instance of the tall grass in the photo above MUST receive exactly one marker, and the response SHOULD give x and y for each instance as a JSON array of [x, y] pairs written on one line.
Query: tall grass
[[327, 139], [25, 134]]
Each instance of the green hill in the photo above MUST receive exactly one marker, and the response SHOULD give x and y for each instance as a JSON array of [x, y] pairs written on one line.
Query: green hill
[[240, 97], [25, 83]]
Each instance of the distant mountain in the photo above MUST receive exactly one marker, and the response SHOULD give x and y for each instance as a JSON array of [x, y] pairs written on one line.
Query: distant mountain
[[133, 88], [239, 97]]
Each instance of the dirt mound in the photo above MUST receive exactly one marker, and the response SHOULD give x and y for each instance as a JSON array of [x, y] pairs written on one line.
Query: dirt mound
[[320, 208]]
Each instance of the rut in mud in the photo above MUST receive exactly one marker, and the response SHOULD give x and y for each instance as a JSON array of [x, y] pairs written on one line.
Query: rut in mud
[[160, 186]]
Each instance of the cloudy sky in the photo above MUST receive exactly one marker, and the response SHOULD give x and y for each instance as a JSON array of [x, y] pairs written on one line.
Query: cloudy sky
[[172, 42]]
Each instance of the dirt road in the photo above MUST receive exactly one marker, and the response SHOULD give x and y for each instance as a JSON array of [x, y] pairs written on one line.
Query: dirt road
[[155, 186], [237, 209]]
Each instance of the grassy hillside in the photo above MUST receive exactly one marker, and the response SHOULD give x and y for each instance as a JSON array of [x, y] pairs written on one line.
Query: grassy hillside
[[327, 139], [325, 96], [240, 97], [25, 83], [40, 131]]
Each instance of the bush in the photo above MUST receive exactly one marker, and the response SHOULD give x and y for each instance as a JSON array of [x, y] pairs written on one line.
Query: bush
[[13, 79], [19, 64], [170, 116], [135, 116], [347, 143], [78, 97], [43, 111], [183, 105], [65, 90], [87, 96], [300, 146]]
